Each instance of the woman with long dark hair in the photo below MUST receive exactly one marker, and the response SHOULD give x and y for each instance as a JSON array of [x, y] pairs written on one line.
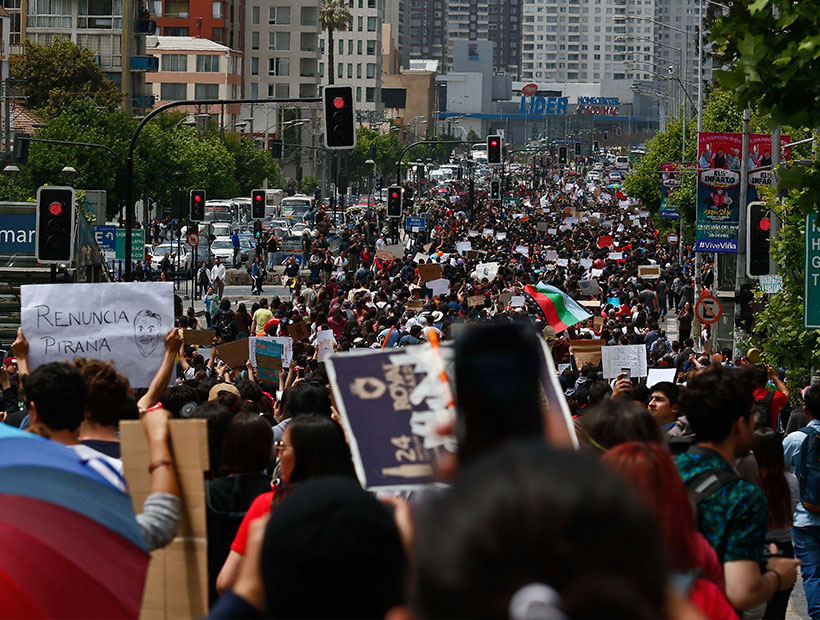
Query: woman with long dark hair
[[782, 492], [312, 446]]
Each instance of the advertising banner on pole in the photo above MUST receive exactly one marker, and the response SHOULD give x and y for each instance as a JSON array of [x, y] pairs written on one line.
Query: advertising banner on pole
[[718, 206], [669, 183], [760, 156]]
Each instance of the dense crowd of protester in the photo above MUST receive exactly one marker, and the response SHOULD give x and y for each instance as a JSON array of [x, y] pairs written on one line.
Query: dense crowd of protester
[[690, 498]]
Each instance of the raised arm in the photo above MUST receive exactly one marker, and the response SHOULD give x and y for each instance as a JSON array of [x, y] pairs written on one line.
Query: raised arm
[[159, 383]]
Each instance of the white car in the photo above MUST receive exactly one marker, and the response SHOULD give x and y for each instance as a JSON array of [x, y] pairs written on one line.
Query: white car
[[616, 176], [222, 248], [158, 253], [598, 165], [593, 175]]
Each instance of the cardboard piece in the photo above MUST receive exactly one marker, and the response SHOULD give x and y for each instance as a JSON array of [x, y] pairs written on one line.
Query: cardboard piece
[[586, 351], [650, 272], [415, 304], [475, 300], [472, 254], [594, 304], [384, 255], [430, 272], [177, 582], [199, 337], [396, 250], [298, 330], [234, 354], [598, 323]]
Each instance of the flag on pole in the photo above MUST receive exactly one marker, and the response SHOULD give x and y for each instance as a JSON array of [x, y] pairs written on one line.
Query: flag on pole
[[558, 308]]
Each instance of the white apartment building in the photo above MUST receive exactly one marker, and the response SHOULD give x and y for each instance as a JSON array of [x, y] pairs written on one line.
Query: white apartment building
[[570, 41]]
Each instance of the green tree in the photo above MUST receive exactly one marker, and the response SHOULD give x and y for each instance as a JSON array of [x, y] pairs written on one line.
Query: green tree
[[309, 184], [472, 136], [56, 74], [253, 165], [333, 16]]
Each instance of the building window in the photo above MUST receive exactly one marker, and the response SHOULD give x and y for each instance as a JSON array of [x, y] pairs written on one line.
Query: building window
[[279, 67], [370, 94], [206, 91], [341, 47], [341, 72], [254, 91], [371, 48], [361, 23], [254, 40], [279, 15], [218, 10], [349, 71], [218, 35], [207, 63], [359, 71], [281, 90], [173, 92], [255, 15], [106, 14], [371, 24], [254, 65], [174, 62], [358, 94], [350, 47], [371, 70], [279, 41], [359, 47]]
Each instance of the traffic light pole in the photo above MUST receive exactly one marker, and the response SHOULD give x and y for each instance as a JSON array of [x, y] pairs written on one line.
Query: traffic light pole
[[129, 162], [420, 142], [740, 273]]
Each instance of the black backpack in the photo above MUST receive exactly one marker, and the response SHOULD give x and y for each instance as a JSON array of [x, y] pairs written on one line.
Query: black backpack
[[707, 483], [761, 405]]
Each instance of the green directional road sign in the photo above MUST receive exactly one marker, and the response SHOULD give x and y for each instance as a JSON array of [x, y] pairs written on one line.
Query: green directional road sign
[[811, 293], [137, 244]]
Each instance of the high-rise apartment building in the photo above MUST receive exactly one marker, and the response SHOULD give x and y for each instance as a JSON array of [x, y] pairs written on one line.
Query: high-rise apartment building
[[217, 20], [427, 29]]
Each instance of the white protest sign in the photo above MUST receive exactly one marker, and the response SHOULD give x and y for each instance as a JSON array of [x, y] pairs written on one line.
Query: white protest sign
[[324, 344], [486, 270], [623, 204], [643, 213], [586, 263], [252, 347], [463, 246], [621, 228], [589, 287], [552, 231], [421, 257], [517, 301], [472, 233], [124, 322], [631, 356], [596, 273], [439, 287], [615, 256], [488, 231], [565, 227], [562, 262], [657, 375], [500, 236], [551, 255], [523, 250]]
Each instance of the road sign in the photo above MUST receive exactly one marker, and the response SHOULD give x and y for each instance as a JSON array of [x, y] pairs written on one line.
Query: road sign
[[811, 292], [415, 223], [672, 238], [530, 90], [708, 309], [106, 237], [193, 239], [137, 244]]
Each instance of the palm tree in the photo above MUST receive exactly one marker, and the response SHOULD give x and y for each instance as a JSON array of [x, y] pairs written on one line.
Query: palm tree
[[333, 15]]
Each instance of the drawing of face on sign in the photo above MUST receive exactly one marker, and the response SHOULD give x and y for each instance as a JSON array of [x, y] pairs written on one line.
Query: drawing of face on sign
[[147, 331]]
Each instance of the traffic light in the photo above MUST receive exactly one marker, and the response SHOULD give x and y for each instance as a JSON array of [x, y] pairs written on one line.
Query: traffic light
[[257, 229], [494, 149], [55, 224], [617, 131], [595, 146], [340, 120], [394, 201], [606, 135], [758, 239], [276, 149], [258, 204], [196, 205], [495, 190], [562, 154], [577, 148]]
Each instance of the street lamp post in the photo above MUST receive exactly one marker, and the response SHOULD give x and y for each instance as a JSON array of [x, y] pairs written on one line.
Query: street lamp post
[[11, 171]]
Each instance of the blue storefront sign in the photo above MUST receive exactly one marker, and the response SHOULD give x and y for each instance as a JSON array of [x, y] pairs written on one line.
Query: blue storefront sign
[[17, 234], [543, 106], [417, 223]]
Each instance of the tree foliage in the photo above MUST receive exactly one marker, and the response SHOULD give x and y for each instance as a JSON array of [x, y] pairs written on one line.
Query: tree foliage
[[56, 74]]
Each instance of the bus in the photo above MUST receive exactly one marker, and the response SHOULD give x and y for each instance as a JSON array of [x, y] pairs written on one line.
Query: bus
[[295, 207], [635, 155]]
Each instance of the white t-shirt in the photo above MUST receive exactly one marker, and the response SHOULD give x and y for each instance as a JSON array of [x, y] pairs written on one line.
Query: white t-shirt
[[108, 467]]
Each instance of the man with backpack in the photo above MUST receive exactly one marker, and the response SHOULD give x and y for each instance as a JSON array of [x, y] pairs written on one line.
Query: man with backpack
[[731, 513], [769, 403], [802, 451]]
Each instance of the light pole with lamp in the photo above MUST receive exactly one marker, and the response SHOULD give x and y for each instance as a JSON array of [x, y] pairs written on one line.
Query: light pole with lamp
[[372, 164], [11, 171]]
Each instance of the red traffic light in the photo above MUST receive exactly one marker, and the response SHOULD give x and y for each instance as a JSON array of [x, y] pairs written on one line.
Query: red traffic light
[[338, 103], [395, 194], [197, 198], [765, 224], [493, 142], [258, 197], [55, 208]]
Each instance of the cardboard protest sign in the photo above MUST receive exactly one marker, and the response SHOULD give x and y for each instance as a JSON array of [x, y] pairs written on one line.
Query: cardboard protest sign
[[551, 255], [298, 330], [586, 263], [472, 233], [586, 351], [631, 356], [552, 231], [384, 255], [597, 323], [657, 375], [198, 337], [429, 271], [285, 341], [615, 301], [268, 356], [488, 231], [504, 298], [650, 272], [177, 582], [562, 262], [123, 322], [500, 236], [472, 254], [517, 301], [324, 343], [392, 402], [415, 304], [397, 250], [235, 353], [475, 300]]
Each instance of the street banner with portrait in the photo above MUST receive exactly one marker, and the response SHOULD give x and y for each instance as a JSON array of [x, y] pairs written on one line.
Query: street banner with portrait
[[760, 161], [122, 322], [718, 206], [671, 178]]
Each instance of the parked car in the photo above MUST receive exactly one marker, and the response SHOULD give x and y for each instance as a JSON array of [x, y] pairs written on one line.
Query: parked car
[[222, 248], [171, 248]]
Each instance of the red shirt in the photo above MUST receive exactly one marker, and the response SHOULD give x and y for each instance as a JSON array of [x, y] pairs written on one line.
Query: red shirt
[[259, 508], [778, 402]]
